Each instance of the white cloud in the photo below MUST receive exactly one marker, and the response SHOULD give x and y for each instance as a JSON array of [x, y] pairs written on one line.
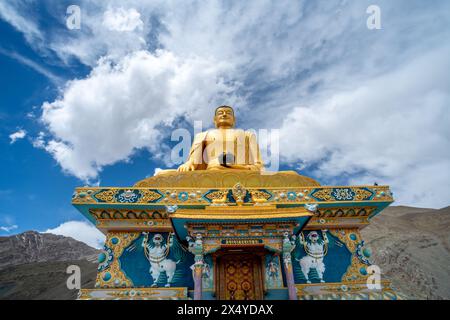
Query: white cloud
[[39, 141], [8, 228], [392, 129], [33, 65], [14, 14], [20, 134], [81, 231], [362, 105], [121, 19], [102, 119], [111, 32]]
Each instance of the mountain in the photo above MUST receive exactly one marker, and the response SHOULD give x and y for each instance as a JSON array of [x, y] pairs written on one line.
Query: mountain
[[33, 266], [412, 248], [32, 246]]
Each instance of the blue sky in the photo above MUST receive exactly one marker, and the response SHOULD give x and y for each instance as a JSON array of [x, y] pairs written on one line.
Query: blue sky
[[97, 105]]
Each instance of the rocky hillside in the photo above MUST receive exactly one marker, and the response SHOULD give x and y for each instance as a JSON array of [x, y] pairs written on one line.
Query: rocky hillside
[[33, 266], [33, 246], [412, 248], [44, 280]]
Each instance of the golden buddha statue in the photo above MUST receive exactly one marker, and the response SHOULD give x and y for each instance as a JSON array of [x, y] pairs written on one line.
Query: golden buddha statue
[[224, 147], [222, 157]]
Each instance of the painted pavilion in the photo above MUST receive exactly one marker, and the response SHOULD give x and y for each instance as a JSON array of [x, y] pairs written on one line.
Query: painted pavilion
[[233, 233]]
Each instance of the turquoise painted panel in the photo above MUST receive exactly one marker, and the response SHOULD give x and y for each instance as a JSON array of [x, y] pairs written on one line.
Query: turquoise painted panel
[[154, 259], [325, 261]]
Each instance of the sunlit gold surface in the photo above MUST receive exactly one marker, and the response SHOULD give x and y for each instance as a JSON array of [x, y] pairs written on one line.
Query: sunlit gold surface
[[227, 179], [209, 147], [241, 213]]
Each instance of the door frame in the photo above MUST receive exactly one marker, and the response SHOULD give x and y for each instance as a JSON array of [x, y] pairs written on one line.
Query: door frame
[[258, 251]]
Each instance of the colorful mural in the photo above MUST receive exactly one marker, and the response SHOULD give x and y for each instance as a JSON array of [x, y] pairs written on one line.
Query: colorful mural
[[149, 260], [273, 276], [208, 273], [319, 257]]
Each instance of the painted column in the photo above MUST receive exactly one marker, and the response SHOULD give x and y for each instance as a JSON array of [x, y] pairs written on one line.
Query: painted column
[[288, 247], [197, 273], [196, 247]]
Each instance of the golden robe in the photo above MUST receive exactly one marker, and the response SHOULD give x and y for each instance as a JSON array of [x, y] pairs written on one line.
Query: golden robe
[[209, 147]]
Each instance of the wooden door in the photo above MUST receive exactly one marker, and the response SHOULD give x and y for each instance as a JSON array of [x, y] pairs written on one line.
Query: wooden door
[[240, 277]]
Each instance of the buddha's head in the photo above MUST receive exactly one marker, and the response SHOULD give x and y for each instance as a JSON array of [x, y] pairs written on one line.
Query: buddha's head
[[224, 117]]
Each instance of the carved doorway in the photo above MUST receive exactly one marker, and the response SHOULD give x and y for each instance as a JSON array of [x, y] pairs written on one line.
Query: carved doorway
[[240, 275]]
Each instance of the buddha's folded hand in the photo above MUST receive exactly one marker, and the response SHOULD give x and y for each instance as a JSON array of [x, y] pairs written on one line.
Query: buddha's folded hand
[[186, 167]]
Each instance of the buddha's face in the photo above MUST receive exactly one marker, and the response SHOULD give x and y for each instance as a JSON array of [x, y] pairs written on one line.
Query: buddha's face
[[224, 117]]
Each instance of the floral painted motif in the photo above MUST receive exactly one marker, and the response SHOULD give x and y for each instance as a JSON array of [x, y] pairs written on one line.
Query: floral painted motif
[[105, 258], [342, 194], [128, 196]]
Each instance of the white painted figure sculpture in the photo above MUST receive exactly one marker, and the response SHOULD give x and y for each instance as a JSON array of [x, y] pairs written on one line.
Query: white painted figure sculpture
[[315, 249], [157, 256]]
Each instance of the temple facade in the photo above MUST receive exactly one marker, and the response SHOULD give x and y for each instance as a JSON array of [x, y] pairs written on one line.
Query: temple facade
[[233, 235], [220, 227]]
